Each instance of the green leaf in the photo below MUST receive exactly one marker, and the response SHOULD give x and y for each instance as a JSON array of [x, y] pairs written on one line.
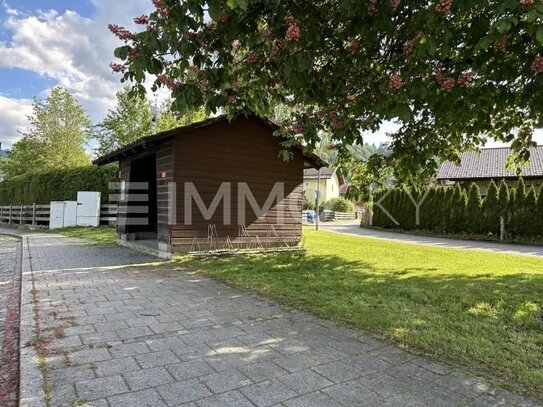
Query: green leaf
[[214, 10], [503, 26], [122, 52], [539, 35]]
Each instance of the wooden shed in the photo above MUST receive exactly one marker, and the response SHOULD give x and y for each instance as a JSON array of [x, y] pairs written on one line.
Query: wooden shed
[[211, 182]]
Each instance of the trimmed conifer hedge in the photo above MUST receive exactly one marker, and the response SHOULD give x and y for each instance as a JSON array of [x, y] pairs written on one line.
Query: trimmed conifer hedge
[[59, 185], [461, 210]]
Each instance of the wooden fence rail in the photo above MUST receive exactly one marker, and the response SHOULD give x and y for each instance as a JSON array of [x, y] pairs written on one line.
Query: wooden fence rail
[[39, 215]]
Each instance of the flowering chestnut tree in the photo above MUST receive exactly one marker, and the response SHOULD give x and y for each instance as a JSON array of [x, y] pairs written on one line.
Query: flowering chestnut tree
[[451, 72]]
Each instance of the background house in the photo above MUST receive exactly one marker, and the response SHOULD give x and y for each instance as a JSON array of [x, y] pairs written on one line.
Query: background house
[[331, 184], [490, 164], [208, 154]]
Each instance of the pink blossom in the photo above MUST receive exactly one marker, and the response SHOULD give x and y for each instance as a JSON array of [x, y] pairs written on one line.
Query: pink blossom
[[121, 32], [142, 20], [117, 68], [293, 32]]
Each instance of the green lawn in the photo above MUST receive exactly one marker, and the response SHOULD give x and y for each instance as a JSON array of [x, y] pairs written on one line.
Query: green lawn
[[482, 311], [104, 235]]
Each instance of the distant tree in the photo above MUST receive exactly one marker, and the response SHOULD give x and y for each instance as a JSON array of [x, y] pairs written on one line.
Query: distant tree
[[428, 213], [447, 210], [130, 120], [518, 208], [503, 204], [503, 198], [474, 210], [441, 207], [458, 210], [56, 138], [168, 119], [491, 210], [528, 219]]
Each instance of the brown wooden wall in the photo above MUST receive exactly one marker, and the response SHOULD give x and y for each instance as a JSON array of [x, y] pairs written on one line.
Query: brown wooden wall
[[124, 167], [244, 150], [164, 166]]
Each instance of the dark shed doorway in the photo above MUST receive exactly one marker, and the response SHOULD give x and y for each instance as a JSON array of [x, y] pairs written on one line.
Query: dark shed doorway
[[139, 220]]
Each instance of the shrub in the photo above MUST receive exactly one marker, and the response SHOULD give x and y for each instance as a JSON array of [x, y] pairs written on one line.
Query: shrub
[[473, 210], [59, 185], [538, 215], [491, 210], [340, 205], [308, 205]]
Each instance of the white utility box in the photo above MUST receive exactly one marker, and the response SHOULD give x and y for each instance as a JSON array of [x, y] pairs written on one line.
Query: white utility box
[[70, 214], [88, 208], [56, 215]]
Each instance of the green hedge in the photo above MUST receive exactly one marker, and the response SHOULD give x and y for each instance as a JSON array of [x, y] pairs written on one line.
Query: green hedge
[[461, 210], [340, 205], [59, 185]]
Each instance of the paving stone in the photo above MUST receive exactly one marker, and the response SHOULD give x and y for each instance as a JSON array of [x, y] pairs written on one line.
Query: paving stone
[[115, 366], [259, 372], [110, 326], [188, 352], [98, 338], [131, 333], [316, 399], [305, 381], [226, 361], [102, 387], [129, 349], [295, 362], [338, 371], [183, 392], [230, 399], [186, 370], [291, 346], [172, 342], [89, 356], [79, 330], [71, 374], [268, 393], [162, 358], [143, 379], [225, 381], [62, 394], [353, 393], [143, 398]]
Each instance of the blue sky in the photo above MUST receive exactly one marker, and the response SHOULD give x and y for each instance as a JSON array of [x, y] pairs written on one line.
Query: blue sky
[[44, 43]]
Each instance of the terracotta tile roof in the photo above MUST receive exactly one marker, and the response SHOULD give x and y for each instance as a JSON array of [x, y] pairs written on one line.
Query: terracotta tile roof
[[491, 163]]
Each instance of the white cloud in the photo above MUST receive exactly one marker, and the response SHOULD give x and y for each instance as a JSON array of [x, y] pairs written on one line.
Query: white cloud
[[13, 118], [73, 50]]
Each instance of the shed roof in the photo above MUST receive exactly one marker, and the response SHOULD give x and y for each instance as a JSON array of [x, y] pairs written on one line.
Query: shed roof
[[491, 163], [144, 143]]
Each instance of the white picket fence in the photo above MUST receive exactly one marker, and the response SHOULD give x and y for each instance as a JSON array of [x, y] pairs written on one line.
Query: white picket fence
[[40, 215], [330, 216]]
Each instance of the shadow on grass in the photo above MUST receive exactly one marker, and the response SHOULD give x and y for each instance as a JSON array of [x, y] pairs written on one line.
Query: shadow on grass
[[492, 324]]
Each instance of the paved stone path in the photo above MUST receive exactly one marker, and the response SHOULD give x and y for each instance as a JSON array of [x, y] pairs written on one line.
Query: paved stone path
[[126, 333], [353, 228], [9, 319]]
